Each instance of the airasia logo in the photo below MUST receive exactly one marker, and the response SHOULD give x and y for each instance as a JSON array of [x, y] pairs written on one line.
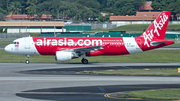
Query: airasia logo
[[150, 33], [68, 42]]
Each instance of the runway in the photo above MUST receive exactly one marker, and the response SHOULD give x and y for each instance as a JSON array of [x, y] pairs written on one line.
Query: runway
[[63, 82]]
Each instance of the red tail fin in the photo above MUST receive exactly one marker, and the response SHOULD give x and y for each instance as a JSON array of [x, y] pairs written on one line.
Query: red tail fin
[[158, 28]]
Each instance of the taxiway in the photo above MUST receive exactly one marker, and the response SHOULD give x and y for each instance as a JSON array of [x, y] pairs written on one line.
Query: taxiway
[[63, 82]]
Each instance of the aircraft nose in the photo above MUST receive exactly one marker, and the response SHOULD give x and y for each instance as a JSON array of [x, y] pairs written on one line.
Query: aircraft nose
[[7, 48]]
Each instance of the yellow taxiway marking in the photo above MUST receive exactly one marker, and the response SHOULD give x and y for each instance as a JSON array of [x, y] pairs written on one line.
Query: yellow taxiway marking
[[110, 70], [119, 95], [146, 69]]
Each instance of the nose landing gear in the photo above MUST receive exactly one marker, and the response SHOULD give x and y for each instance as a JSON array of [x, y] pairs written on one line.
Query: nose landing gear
[[27, 60]]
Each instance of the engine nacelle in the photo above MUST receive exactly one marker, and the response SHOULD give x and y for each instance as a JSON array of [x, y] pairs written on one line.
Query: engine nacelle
[[65, 56]]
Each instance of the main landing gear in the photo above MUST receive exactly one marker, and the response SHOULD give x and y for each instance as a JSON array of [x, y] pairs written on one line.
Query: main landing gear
[[27, 60], [84, 60]]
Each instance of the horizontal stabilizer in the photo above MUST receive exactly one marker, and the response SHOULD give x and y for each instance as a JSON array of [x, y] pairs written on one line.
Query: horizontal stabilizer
[[156, 43]]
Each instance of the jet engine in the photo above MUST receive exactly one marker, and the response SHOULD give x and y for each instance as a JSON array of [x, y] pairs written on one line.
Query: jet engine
[[65, 56]]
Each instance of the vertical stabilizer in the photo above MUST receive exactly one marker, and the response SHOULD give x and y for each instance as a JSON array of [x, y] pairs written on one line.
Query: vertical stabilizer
[[158, 28]]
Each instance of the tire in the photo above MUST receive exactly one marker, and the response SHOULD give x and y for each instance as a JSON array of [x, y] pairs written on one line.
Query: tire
[[27, 61], [84, 61]]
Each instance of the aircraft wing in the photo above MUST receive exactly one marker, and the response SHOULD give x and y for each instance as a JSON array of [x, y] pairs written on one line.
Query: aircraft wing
[[86, 49]]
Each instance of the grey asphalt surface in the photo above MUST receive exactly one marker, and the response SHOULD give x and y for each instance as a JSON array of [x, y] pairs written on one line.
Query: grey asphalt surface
[[37, 82], [170, 47], [2, 47]]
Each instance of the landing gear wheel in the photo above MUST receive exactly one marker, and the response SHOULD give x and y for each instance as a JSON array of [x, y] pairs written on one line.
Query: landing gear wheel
[[84, 61], [27, 61]]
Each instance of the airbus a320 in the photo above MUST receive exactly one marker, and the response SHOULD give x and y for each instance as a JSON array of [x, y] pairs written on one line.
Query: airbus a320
[[67, 48]]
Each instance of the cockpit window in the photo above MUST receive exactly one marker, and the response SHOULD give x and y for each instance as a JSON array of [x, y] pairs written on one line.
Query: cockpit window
[[12, 43], [15, 43]]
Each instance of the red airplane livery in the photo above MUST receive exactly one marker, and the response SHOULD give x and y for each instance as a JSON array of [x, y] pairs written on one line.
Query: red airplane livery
[[67, 48]]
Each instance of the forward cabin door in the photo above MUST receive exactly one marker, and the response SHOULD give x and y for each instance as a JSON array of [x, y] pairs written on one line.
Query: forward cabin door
[[27, 43]]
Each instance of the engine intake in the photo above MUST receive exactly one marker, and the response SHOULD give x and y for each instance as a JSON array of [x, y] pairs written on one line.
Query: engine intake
[[65, 56]]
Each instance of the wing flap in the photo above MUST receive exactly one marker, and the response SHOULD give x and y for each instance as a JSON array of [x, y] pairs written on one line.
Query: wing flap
[[88, 49], [83, 50]]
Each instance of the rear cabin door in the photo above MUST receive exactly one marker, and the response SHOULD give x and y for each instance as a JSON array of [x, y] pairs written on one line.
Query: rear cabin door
[[139, 44]]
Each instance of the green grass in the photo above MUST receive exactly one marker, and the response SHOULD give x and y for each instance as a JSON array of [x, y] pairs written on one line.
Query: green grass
[[4, 42], [175, 44], [149, 56], [34, 34], [157, 94], [157, 72], [173, 26]]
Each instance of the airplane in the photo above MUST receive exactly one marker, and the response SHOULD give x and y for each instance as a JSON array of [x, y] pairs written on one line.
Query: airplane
[[67, 48]]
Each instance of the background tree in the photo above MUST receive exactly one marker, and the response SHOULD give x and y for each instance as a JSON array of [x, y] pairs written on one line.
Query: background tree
[[81, 10], [167, 5], [162, 4], [2, 13], [66, 9], [1, 30], [128, 9], [137, 3], [174, 8], [156, 5], [15, 7], [104, 18], [31, 8], [125, 7], [89, 3], [3, 5], [110, 3]]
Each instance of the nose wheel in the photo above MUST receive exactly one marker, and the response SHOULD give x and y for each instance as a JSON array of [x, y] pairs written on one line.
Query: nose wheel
[[27, 60]]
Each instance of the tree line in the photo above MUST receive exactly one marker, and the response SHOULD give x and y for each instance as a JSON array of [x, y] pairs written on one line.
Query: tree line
[[82, 10]]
